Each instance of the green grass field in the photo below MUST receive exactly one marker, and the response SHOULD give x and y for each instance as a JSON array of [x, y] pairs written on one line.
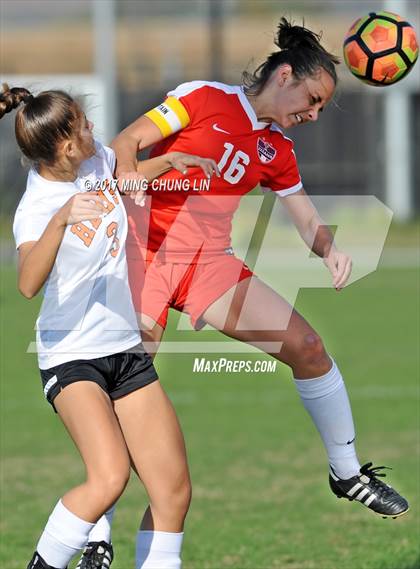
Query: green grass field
[[261, 498]]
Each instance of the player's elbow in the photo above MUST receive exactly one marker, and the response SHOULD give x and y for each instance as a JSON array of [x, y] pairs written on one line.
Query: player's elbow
[[27, 290], [125, 136], [27, 293]]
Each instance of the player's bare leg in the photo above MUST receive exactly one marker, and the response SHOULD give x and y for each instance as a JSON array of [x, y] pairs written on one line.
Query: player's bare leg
[[100, 537], [157, 449], [89, 417], [157, 453], [254, 313]]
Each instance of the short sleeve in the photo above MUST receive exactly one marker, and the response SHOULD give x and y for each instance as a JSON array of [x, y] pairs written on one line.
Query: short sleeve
[[30, 222], [110, 157], [284, 178], [37, 206], [179, 108]]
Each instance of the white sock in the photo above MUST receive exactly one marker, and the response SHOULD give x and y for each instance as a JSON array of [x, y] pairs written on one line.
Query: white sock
[[325, 398], [64, 535], [158, 550], [102, 529]]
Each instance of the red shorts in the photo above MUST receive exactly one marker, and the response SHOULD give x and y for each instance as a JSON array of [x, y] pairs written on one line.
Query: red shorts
[[189, 288]]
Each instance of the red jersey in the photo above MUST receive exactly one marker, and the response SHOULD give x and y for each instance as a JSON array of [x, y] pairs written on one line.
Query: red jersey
[[187, 214]]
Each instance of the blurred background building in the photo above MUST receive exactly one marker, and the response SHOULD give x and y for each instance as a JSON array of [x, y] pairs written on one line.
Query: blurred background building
[[126, 54]]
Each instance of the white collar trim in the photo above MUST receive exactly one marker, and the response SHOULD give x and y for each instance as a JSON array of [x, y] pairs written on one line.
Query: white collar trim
[[256, 124]]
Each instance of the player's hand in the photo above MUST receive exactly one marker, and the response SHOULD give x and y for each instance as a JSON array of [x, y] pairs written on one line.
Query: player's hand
[[81, 207], [134, 185], [181, 162], [339, 264]]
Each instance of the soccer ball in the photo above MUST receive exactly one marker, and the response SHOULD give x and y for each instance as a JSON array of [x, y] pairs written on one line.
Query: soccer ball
[[380, 48]]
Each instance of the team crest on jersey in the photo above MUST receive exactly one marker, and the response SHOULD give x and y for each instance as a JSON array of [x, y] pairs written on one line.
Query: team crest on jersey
[[266, 151]]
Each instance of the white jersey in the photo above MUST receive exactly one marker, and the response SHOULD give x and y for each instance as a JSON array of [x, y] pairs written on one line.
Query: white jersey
[[87, 311]]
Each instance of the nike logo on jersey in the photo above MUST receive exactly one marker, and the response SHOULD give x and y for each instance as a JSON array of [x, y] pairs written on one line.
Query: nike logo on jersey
[[352, 441], [215, 127]]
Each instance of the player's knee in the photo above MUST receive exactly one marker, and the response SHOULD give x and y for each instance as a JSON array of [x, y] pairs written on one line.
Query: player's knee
[[179, 496], [173, 501], [180, 503], [108, 486], [312, 350], [185, 496]]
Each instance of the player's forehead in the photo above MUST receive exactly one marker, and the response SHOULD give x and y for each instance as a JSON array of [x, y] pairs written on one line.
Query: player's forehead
[[321, 85]]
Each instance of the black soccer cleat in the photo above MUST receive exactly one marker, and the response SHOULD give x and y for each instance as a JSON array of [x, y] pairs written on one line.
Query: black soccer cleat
[[369, 491], [96, 555], [37, 562]]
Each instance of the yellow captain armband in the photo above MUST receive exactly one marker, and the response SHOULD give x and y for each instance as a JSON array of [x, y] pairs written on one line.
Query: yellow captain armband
[[170, 116]]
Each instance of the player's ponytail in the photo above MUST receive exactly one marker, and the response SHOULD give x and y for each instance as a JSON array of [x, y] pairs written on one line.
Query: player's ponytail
[[11, 98], [301, 49], [42, 121]]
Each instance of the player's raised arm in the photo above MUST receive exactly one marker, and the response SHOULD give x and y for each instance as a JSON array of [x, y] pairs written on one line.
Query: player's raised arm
[[37, 258], [140, 134], [155, 125], [169, 117], [318, 236]]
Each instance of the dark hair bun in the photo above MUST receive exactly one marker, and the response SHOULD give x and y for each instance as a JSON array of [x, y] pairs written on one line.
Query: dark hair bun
[[290, 36], [12, 98], [301, 49]]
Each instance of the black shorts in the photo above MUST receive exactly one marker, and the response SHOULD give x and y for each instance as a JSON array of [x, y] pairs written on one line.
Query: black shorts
[[117, 374]]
